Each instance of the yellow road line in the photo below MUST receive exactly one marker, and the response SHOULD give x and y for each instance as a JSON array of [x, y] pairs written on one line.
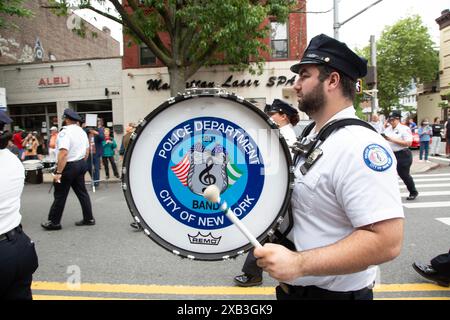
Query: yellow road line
[[152, 289], [206, 290], [52, 297], [408, 287]]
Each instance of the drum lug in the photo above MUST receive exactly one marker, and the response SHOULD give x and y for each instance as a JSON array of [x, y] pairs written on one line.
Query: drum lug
[[190, 257], [292, 185], [175, 252], [280, 220], [270, 233], [124, 170], [171, 100], [124, 186], [226, 258]]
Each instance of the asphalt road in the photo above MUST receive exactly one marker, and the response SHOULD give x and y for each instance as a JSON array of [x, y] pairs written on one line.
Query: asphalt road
[[113, 261]]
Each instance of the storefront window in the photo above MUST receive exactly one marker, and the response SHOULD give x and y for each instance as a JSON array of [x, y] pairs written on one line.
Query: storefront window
[[279, 40]]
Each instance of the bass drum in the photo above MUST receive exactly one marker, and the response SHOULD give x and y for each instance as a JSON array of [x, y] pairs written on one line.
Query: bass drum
[[200, 138]]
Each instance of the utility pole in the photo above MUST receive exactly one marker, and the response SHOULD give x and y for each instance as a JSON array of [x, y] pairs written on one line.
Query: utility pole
[[337, 24]]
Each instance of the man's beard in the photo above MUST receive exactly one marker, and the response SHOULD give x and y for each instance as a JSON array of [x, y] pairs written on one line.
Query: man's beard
[[314, 101]]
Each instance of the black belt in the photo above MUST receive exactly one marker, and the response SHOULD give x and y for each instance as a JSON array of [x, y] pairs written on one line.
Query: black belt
[[403, 150], [10, 234], [75, 161], [313, 291]]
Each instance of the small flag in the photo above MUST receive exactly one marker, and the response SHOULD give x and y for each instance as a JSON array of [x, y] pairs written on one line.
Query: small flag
[[233, 174], [181, 169]]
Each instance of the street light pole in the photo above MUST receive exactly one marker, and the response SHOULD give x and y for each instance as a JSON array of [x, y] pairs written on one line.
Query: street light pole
[[373, 60], [337, 24]]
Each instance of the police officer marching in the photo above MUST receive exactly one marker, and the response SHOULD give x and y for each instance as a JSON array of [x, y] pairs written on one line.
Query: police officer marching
[[400, 138], [18, 259], [72, 147], [348, 216]]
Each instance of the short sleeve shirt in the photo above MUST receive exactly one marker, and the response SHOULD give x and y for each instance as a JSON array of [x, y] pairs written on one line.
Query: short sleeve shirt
[[74, 140], [401, 132], [354, 184]]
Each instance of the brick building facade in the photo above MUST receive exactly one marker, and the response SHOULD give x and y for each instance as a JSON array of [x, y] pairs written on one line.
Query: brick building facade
[[47, 37]]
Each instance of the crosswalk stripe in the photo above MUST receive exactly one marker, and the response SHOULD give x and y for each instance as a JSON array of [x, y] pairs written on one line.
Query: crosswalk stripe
[[431, 185], [444, 220], [439, 158], [205, 290], [438, 204], [429, 180], [431, 175], [428, 193]]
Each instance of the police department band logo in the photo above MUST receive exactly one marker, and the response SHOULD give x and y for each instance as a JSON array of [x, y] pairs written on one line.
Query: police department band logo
[[201, 152], [377, 158]]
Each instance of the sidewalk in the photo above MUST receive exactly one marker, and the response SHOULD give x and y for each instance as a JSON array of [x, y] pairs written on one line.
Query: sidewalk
[[421, 167]]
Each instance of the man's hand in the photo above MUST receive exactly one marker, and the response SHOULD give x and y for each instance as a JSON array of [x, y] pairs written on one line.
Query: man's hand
[[57, 178], [281, 263]]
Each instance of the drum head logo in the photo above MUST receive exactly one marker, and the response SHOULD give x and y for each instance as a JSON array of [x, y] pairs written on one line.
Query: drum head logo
[[201, 152]]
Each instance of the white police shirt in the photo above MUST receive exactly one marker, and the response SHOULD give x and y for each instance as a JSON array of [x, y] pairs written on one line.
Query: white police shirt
[[288, 133], [353, 184], [74, 140], [401, 132], [12, 176]]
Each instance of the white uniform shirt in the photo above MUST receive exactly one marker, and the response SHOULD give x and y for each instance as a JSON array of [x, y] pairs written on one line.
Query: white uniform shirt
[[74, 140], [288, 133], [353, 184], [12, 177], [401, 132]]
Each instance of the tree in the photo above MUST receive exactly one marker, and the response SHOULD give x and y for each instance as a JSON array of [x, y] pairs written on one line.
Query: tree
[[12, 8], [200, 32], [404, 52]]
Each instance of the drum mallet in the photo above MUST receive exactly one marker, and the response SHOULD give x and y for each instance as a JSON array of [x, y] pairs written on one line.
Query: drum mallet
[[212, 194]]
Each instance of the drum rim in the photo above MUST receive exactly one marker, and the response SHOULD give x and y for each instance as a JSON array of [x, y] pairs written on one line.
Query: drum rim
[[169, 246]]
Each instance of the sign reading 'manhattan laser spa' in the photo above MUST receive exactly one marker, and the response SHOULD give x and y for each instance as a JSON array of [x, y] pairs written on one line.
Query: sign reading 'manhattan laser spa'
[[195, 141]]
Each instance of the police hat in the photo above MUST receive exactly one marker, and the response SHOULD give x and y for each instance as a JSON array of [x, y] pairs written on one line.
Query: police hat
[[69, 113], [395, 114], [328, 51], [280, 106], [4, 119]]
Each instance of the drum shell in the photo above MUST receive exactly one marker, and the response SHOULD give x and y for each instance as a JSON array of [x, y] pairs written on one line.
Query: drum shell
[[34, 176]]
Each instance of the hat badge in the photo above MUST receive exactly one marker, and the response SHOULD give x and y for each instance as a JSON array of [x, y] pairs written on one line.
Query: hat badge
[[327, 59]]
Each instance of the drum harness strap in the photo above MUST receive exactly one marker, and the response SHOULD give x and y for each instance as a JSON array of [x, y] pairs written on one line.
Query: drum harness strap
[[309, 149]]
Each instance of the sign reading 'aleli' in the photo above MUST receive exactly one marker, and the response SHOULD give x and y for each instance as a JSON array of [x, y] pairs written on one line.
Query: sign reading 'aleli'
[[54, 82]]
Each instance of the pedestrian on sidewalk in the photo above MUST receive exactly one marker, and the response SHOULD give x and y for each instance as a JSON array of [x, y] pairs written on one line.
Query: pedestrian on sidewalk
[[437, 136], [109, 147], [400, 138], [447, 137], [425, 132]]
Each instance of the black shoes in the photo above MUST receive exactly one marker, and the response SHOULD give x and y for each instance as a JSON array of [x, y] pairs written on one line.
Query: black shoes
[[85, 223], [136, 226], [429, 273], [412, 196], [247, 280], [48, 225]]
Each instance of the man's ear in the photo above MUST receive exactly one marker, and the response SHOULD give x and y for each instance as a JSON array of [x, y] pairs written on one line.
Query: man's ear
[[334, 80]]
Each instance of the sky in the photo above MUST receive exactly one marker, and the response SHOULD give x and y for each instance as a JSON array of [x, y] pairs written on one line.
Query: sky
[[356, 32]]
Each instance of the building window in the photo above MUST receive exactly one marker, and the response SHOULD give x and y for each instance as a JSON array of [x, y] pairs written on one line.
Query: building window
[[279, 40], [146, 57]]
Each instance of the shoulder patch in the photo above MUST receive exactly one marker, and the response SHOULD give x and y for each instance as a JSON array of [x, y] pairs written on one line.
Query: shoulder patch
[[377, 158], [62, 134]]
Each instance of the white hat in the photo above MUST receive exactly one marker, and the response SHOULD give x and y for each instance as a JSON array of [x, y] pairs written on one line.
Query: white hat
[[53, 128]]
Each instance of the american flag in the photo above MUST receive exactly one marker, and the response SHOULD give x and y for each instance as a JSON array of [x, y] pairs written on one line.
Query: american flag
[[181, 169]]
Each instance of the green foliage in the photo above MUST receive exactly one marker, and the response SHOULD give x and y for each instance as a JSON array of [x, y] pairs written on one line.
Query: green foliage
[[201, 32], [12, 8], [404, 52]]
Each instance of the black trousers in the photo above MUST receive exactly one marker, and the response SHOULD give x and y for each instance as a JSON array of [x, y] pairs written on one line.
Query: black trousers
[[288, 292], [441, 264], [18, 262], [113, 165], [72, 176], [404, 162]]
